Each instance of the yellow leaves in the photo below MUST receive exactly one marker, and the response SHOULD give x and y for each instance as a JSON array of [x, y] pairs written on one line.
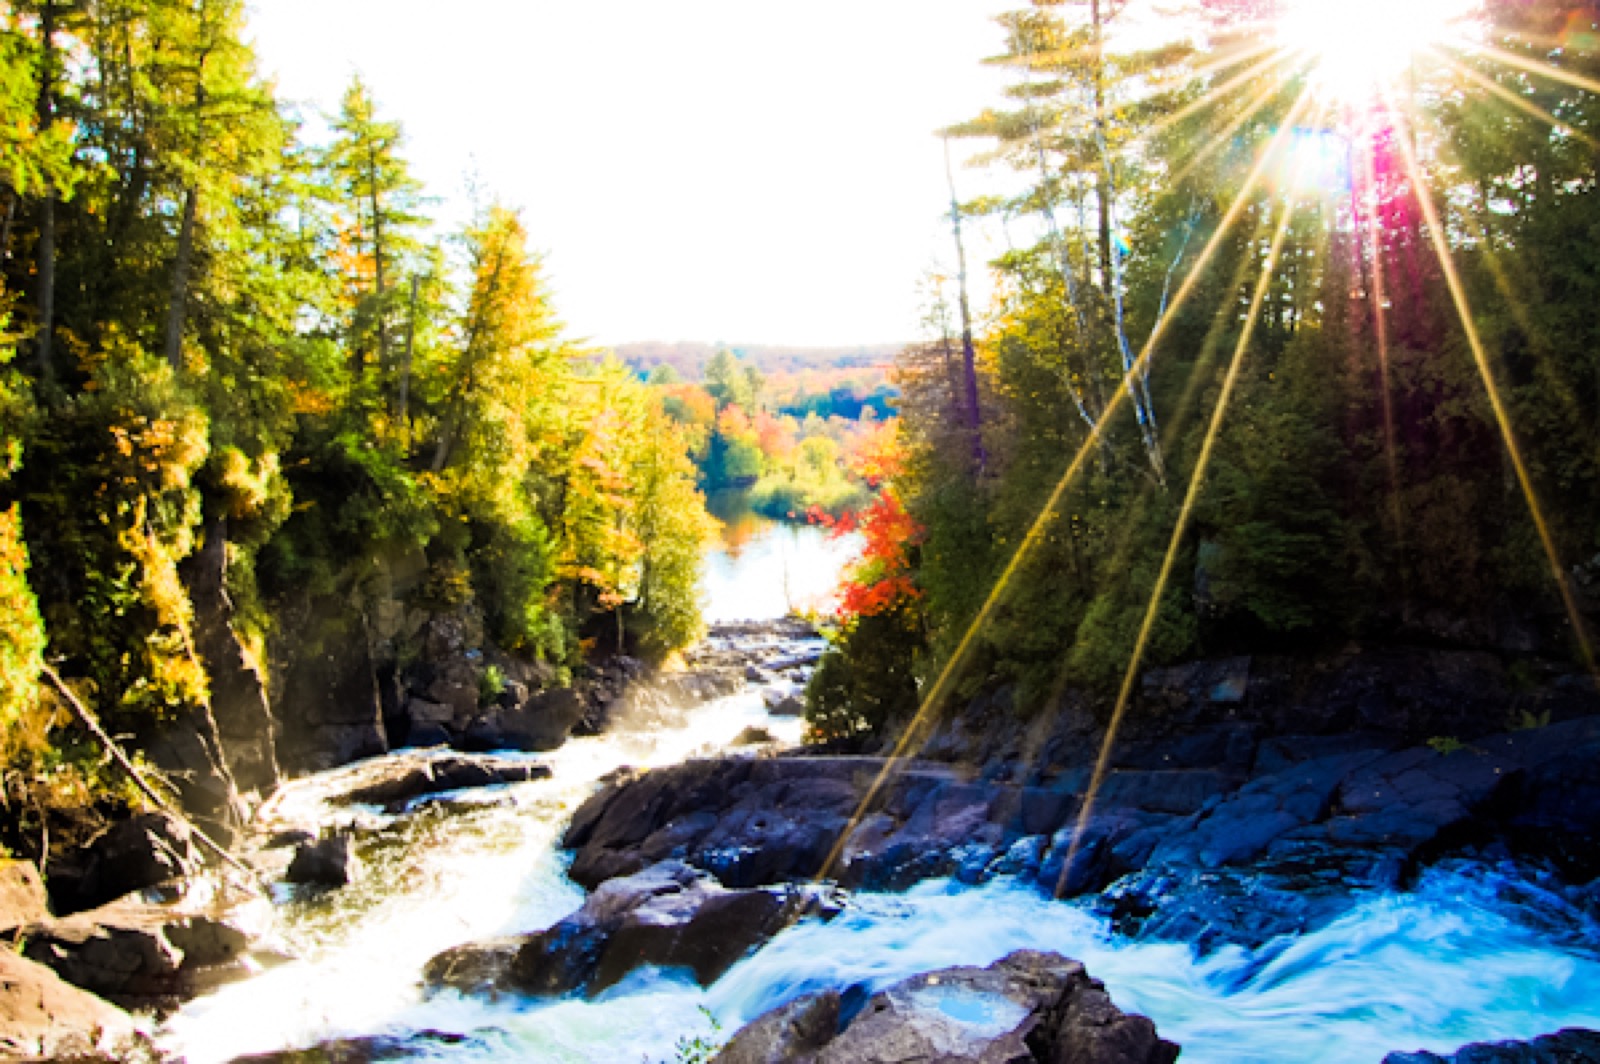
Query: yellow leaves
[[248, 484]]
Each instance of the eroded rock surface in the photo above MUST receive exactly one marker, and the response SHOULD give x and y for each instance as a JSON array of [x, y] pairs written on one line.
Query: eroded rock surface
[[143, 955], [144, 851], [1026, 1007], [669, 915], [1237, 839], [43, 1017]]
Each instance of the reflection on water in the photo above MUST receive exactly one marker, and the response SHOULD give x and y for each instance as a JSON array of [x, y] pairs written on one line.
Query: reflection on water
[[762, 569]]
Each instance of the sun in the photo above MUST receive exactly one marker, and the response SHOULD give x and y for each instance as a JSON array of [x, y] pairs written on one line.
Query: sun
[[1360, 48]]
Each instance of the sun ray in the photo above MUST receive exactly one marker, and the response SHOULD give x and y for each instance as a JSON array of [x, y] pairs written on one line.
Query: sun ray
[[1175, 426], [1216, 95], [1224, 137], [1103, 761], [1380, 313], [1047, 513], [1526, 106], [1543, 70], [1497, 404]]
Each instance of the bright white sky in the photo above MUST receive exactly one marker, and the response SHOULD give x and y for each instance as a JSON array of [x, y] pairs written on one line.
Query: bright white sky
[[736, 170]]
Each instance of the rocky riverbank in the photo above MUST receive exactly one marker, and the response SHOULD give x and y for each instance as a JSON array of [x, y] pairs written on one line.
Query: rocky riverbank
[[1292, 836], [135, 922], [1244, 804]]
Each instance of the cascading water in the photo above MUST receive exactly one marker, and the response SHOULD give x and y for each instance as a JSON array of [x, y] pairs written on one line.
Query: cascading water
[[1456, 961], [1446, 965]]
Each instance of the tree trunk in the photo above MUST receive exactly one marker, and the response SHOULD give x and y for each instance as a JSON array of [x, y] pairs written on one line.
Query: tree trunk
[[5, 226], [969, 359], [1102, 185], [377, 260], [177, 308], [403, 393], [452, 425], [47, 210]]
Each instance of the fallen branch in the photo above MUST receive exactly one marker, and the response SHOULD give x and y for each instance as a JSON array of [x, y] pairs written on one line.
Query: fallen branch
[[117, 754]]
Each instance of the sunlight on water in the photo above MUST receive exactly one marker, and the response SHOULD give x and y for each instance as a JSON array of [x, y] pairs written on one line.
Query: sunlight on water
[[1437, 969], [489, 871], [760, 569]]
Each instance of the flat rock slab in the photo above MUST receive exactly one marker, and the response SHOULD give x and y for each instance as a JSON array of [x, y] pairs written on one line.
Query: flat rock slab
[[150, 956], [43, 1017], [396, 779], [1026, 1007]]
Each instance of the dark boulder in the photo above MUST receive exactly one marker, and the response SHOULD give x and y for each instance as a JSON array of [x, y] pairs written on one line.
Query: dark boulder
[[328, 862], [421, 1045], [1026, 1007], [144, 851], [542, 722], [149, 956], [669, 916], [1571, 1046]]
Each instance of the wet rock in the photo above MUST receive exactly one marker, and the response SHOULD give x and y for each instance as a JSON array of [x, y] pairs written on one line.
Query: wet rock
[[1571, 1046], [669, 915], [752, 736], [329, 862], [542, 722], [1026, 1007], [394, 780], [788, 706], [789, 1034], [43, 1017], [1232, 853], [144, 851], [422, 1044], [150, 956], [476, 968]]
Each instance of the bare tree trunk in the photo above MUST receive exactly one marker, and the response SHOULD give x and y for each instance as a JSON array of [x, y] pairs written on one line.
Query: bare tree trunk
[[47, 287], [178, 306], [403, 394], [5, 226], [1102, 187], [377, 260], [47, 211], [969, 357], [452, 424]]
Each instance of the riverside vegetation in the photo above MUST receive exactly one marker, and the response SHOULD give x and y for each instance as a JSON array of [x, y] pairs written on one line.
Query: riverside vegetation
[[268, 444]]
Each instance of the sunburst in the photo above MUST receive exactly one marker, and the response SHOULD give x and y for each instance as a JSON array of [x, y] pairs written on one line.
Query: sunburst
[[1359, 64]]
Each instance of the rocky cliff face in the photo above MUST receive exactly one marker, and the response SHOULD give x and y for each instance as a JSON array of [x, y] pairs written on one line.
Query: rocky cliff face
[[354, 675]]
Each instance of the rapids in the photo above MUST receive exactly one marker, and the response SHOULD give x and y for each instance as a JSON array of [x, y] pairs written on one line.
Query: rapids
[[1460, 959]]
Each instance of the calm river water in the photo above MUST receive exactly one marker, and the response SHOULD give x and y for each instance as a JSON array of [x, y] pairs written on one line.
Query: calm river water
[[760, 569]]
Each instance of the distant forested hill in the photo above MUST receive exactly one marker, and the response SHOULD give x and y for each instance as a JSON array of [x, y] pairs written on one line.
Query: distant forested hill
[[689, 358]]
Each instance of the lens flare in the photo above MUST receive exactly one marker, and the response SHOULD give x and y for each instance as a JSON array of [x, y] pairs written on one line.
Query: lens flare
[[1361, 47]]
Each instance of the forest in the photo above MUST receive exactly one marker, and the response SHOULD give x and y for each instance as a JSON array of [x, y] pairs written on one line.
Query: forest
[[1282, 365], [239, 358]]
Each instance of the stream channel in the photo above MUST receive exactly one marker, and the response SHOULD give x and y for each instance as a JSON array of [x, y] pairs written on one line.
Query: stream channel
[[1453, 962]]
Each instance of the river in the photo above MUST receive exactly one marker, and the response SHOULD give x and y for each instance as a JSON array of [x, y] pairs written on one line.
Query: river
[[759, 569], [1451, 963]]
